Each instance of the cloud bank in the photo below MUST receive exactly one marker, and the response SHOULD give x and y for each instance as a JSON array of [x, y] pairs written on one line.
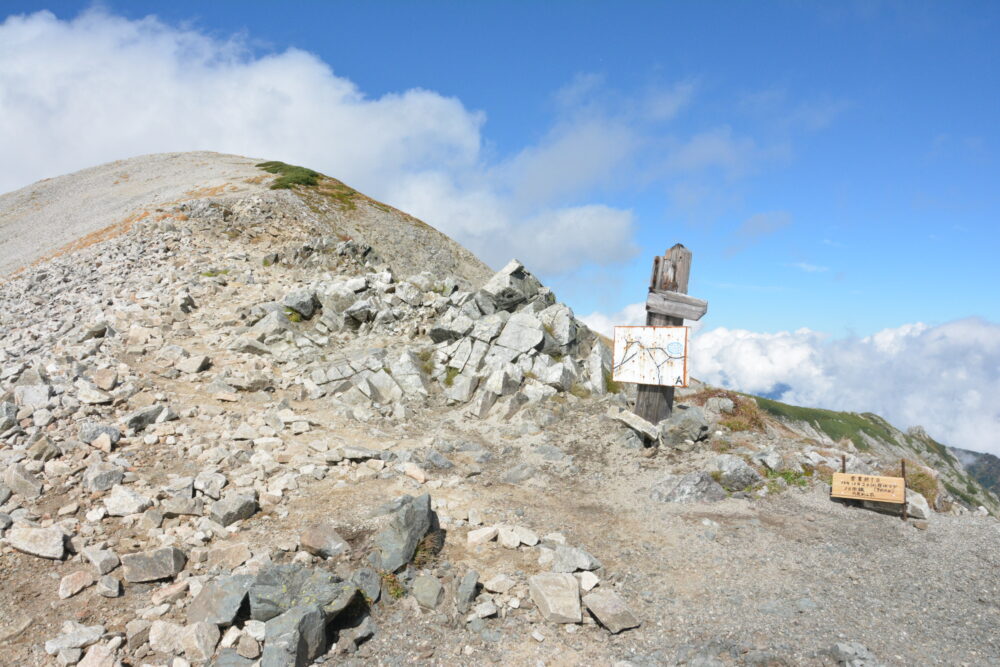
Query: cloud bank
[[99, 87], [945, 378]]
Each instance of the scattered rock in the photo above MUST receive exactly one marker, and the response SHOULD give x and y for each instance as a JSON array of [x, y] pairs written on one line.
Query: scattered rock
[[153, 565], [42, 542], [688, 488], [557, 597], [612, 612]]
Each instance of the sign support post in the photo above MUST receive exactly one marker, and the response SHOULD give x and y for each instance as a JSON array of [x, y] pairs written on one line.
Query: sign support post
[[670, 277]]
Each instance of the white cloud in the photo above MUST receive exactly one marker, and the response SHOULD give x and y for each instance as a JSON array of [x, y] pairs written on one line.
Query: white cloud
[[631, 314], [809, 268], [945, 378], [756, 227], [100, 87]]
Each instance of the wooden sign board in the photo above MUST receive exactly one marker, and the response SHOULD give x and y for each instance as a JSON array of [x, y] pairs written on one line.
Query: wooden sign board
[[675, 304], [868, 487], [651, 356]]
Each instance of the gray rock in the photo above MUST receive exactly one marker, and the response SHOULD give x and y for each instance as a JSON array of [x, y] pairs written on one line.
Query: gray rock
[[275, 322], [734, 473], [853, 654], [323, 540], [510, 286], [462, 388], [466, 591], [302, 301], [279, 588], [522, 333], [193, 364], [612, 612], [22, 482], [598, 368], [109, 587], [916, 505], [89, 431], [32, 395], [768, 458], [104, 560], [428, 591], [571, 559], [43, 449], [232, 508], [143, 417], [686, 425], [8, 416], [81, 636], [123, 501], [636, 423], [91, 395], [720, 405], [522, 472], [210, 483], [296, 637], [229, 657], [369, 583], [42, 542], [153, 565], [102, 476], [557, 597], [692, 487], [198, 641], [174, 507], [407, 526], [220, 600]]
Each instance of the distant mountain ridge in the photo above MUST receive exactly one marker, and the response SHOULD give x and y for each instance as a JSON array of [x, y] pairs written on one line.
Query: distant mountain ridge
[[984, 468]]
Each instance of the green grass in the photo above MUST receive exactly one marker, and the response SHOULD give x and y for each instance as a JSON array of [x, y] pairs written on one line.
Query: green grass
[[579, 390], [293, 314], [213, 273], [449, 376], [837, 425], [289, 175], [391, 585], [610, 385]]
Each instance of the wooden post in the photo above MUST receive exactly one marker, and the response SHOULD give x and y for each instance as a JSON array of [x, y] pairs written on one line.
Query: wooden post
[[902, 467], [670, 272]]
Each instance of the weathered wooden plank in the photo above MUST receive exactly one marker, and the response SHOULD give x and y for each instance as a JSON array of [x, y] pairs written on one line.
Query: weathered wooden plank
[[868, 487], [670, 273], [675, 304]]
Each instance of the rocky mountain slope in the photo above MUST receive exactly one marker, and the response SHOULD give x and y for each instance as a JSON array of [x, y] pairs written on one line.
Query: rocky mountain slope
[[242, 425], [984, 468]]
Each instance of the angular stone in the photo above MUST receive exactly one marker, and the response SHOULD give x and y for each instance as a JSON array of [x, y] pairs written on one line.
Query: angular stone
[[228, 556], [323, 540], [99, 655], [522, 333], [612, 612], [510, 286], [153, 565], [302, 301], [219, 600], [123, 501], [557, 597], [482, 535], [275, 322], [296, 637], [42, 542], [22, 482], [466, 591], [571, 559], [685, 425], [165, 637], [210, 483], [368, 582], [198, 641], [636, 423], [598, 368], [32, 395], [102, 476], [428, 591], [500, 583], [109, 587], [8, 416], [407, 526], [78, 636], [461, 389], [692, 487], [91, 395], [734, 473], [43, 449], [279, 588], [193, 364], [233, 507], [73, 583], [105, 378], [143, 417]]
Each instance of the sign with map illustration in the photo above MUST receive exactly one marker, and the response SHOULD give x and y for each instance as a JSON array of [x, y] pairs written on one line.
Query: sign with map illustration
[[868, 487], [651, 355]]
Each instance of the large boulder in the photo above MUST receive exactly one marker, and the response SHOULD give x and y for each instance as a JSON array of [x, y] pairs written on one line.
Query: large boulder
[[689, 488], [685, 426], [408, 524], [511, 286], [734, 473], [279, 588]]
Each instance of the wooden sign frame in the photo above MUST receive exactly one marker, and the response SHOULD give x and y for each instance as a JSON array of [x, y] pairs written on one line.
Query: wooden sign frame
[[856, 499], [616, 363]]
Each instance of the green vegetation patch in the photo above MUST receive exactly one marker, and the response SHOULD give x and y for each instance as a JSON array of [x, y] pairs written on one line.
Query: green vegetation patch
[[837, 425], [289, 175], [449, 376]]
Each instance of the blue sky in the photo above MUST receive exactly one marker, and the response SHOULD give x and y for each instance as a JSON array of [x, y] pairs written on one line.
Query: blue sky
[[832, 166]]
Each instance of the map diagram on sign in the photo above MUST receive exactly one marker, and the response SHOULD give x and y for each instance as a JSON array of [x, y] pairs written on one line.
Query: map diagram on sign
[[651, 355]]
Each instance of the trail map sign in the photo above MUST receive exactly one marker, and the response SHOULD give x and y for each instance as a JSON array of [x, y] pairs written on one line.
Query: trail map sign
[[868, 487], [651, 356]]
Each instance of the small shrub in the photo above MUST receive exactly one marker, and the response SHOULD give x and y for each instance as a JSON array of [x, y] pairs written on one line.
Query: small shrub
[[293, 315], [213, 273], [579, 390], [791, 477], [289, 175], [391, 585], [918, 479], [428, 548], [449, 376], [610, 385]]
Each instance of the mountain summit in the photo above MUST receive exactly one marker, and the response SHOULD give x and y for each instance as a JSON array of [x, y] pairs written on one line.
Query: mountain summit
[[249, 415]]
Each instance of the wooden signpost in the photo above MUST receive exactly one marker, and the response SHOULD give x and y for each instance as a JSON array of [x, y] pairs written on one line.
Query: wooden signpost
[[667, 305], [875, 488]]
